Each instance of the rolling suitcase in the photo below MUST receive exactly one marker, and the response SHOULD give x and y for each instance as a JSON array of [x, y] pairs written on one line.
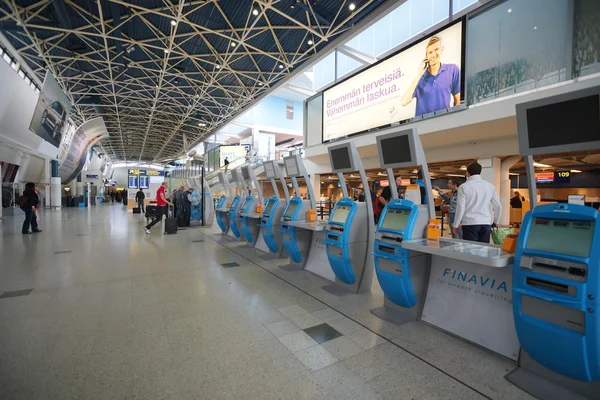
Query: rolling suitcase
[[137, 210], [170, 223]]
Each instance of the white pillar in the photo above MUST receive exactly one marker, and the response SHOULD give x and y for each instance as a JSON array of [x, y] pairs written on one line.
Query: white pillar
[[505, 191], [55, 192], [315, 181]]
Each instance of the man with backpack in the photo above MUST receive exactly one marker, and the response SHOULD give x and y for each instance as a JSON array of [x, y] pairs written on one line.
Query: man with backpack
[[29, 202]]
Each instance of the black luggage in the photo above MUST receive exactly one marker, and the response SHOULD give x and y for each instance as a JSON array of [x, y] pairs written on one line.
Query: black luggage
[[181, 220], [137, 210], [170, 223]]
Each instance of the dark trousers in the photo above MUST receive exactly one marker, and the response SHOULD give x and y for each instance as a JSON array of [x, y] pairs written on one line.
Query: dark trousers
[[30, 219], [477, 233], [141, 205], [161, 210]]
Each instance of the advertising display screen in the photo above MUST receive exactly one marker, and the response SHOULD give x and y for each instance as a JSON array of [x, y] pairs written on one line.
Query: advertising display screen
[[573, 238], [341, 214], [419, 80], [269, 170], [291, 167], [395, 219]]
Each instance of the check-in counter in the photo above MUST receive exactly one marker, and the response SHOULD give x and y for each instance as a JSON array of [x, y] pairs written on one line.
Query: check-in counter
[[469, 292]]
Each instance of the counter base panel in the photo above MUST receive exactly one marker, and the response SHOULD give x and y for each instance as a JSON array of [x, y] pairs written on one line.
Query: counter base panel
[[545, 384], [473, 302]]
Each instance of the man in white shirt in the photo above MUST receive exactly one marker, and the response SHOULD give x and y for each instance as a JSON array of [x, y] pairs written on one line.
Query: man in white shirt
[[473, 207]]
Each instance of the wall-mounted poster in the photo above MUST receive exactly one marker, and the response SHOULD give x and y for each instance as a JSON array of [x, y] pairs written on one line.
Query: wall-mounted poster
[[419, 80], [51, 116]]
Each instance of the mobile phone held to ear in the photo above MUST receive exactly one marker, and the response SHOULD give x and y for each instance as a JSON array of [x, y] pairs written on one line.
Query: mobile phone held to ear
[[425, 64]]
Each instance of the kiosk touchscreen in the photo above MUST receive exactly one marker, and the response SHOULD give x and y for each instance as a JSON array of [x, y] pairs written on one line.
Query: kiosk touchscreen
[[349, 228], [556, 274], [296, 241], [274, 209], [402, 273]]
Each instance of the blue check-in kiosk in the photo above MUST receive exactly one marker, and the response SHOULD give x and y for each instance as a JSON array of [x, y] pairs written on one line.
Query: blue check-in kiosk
[[556, 283], [402, 273], [223, 205], [295, 240], [556, 274], [236, 203], [248, 218], [274, 209], [234, 216], [349, 231]]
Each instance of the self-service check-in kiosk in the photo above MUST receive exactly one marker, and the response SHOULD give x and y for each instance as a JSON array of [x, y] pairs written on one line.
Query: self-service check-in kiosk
[[349, 231], [249, 219], [223, 205], [205, 208], [274, 208], [556, 274], [296, 233], [234, 212], [402, 273]]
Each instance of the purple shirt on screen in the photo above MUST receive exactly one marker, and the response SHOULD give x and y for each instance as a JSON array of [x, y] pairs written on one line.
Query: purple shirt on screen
[[433, 92]]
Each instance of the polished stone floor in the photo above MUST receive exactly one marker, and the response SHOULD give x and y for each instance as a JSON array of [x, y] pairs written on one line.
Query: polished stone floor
[[93, 308]]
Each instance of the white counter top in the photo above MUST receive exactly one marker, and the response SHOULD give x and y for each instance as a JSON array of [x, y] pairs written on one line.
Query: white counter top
[[224, 209], [311, 226], [251, 215], [479, 253]]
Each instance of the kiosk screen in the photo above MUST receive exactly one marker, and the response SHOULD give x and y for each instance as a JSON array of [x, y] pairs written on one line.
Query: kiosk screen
[[572, 238], [246, 174], [245, 203], [395, 220], [341, 213], [269, 171], [269, 206], [396, 150], [291, 209], [291, 167], [341, 158]]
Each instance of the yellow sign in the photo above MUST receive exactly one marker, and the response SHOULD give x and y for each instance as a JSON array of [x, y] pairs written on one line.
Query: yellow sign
[[153, 173], [134, 172]]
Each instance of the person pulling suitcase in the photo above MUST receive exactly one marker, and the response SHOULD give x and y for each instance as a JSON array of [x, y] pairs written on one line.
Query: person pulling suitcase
[[162, 204]]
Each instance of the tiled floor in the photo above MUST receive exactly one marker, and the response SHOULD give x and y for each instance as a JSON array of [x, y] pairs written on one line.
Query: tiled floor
[[118, 314]]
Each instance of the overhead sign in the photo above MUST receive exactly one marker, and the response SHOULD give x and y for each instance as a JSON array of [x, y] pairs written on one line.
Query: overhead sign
[[149, 172], [562, 176], [419, 80]]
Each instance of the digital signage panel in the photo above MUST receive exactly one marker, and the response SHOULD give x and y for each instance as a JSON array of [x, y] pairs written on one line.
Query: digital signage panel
[[419, 80]]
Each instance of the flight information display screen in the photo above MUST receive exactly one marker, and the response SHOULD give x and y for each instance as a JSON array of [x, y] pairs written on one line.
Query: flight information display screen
[[291, 209], [573, 238], [395, 219], [269, 206], [341, 214]]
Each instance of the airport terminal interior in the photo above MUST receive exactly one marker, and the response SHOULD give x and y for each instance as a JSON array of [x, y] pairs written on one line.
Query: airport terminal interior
[[300, 199]]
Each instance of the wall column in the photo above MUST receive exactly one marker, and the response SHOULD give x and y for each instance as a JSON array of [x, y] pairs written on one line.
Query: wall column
[[505, 191], [491, 172], [55, 185]]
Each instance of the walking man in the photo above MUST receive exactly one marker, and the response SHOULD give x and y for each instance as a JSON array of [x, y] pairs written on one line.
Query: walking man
[[473, 207], [453, 185], [29, 206], [162, 203]]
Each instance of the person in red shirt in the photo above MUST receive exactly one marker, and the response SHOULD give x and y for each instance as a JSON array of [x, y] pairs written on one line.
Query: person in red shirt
[[162, 203]]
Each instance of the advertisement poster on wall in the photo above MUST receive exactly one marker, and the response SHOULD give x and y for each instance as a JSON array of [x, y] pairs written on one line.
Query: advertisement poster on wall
[[51, 115], [72, 160], [234, 154], [420, 80]]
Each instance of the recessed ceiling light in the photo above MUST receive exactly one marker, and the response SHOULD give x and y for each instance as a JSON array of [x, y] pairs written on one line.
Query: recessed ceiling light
[[196, 96], [280, 66], [575, 171], [232, 44], [352, 6], [310, 42], [539, 165], [255, 12], [534, 28], [509, 10], [173, 22], [260, 83], [166, 51], [201, 124], [218, 66]]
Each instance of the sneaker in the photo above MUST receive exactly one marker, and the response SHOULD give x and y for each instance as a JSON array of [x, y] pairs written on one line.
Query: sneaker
[[38, 231], [147, 230]]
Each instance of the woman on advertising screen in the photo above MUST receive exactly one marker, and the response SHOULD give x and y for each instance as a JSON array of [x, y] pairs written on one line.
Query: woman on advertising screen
[[436, 83]]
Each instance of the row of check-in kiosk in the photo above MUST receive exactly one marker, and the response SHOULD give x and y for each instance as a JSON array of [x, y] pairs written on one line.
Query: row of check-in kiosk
[[537, 307]]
